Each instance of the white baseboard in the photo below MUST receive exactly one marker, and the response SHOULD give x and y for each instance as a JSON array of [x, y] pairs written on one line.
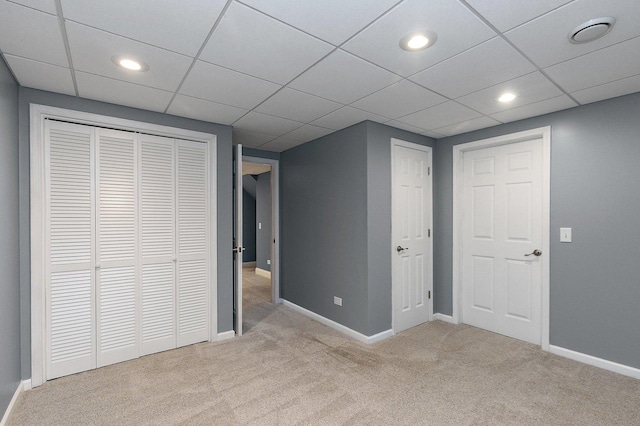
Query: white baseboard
[[22, 386], [445, 318], [625, 370], [263, 273], [336, 326], [225, 335]]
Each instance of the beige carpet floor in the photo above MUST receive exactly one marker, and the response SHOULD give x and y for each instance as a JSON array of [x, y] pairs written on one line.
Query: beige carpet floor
[[288, 369]]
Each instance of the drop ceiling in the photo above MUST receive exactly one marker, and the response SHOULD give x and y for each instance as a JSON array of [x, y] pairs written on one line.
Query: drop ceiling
[[284, 72]]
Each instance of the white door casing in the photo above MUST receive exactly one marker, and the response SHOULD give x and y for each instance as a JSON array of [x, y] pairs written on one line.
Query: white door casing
[[501, 214], [96, 184], [411, 235], [238, 249]]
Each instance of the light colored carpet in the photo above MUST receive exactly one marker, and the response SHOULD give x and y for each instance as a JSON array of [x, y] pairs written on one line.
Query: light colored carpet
[[288, 369]]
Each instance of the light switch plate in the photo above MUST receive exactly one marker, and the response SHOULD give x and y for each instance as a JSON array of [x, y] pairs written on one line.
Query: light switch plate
[[337, 300], [565, 235]]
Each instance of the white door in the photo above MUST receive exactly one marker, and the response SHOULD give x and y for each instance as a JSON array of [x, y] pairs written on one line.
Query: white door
[[238, 248], [501, 231], [116, 246], [158, 244], [70, 263], [192, 280], [411, 235]]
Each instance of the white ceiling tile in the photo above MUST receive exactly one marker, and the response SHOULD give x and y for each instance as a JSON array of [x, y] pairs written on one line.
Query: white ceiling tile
[[508, 14], [295, 105], [48, 6], [345, 117], [399, 99], [331, 20], [91, 51], [122, 93], [490, 63], [538, 108], [343, 78], [595, 68], [529, 88], [606, 91], [200, 109], [280, 144], [307, 133], [217, 84], [31, 34], [266, 124], [467, 126], [255, 44], [404, 126], [379, 42], [250, 139], [440, 115], [544, 40], [39, 75], [173, 25]]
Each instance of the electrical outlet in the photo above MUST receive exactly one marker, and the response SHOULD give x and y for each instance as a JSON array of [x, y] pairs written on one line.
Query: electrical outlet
[[268, 262], [337, 300], [259, 225]]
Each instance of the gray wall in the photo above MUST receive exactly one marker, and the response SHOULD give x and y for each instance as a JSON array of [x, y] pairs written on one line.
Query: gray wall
[[9, 240], [263, 216], [260, 153], [594, 281], [224, 212], [248, 227], [336, 225]]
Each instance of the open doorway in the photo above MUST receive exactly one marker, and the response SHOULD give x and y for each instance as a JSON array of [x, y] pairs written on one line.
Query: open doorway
[[260, 284]]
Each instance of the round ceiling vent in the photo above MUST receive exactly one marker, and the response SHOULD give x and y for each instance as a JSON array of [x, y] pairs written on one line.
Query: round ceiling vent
[[591, 30]]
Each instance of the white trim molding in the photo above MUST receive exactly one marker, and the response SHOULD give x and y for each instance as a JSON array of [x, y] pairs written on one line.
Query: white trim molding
[[263, 273], [543, 133], [336, 326], [38, 115], [444, 318], [625, 370], [23, 386], [225, 335]]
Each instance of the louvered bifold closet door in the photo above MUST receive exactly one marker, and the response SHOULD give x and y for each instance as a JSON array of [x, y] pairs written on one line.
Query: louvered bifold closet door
[[158, 252], [116, 248], [193, 242], [70, 276]]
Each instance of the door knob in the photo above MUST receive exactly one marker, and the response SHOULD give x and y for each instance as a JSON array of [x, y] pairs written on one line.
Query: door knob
[[400, 249], [536, 252]]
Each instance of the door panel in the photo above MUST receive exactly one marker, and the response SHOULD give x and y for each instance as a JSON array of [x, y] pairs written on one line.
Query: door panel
[[70, 286], [411, 221], [116, 246], [158, 258], [193, 244], [237, 257], [502, 221]]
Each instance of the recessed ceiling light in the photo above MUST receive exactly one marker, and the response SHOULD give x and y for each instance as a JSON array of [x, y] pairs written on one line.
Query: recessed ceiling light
[[418, 40], [507, 97], [591, 30], [129, 63]]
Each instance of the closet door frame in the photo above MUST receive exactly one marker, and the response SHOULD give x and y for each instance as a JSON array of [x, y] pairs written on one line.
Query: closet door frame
[[38, 115]]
